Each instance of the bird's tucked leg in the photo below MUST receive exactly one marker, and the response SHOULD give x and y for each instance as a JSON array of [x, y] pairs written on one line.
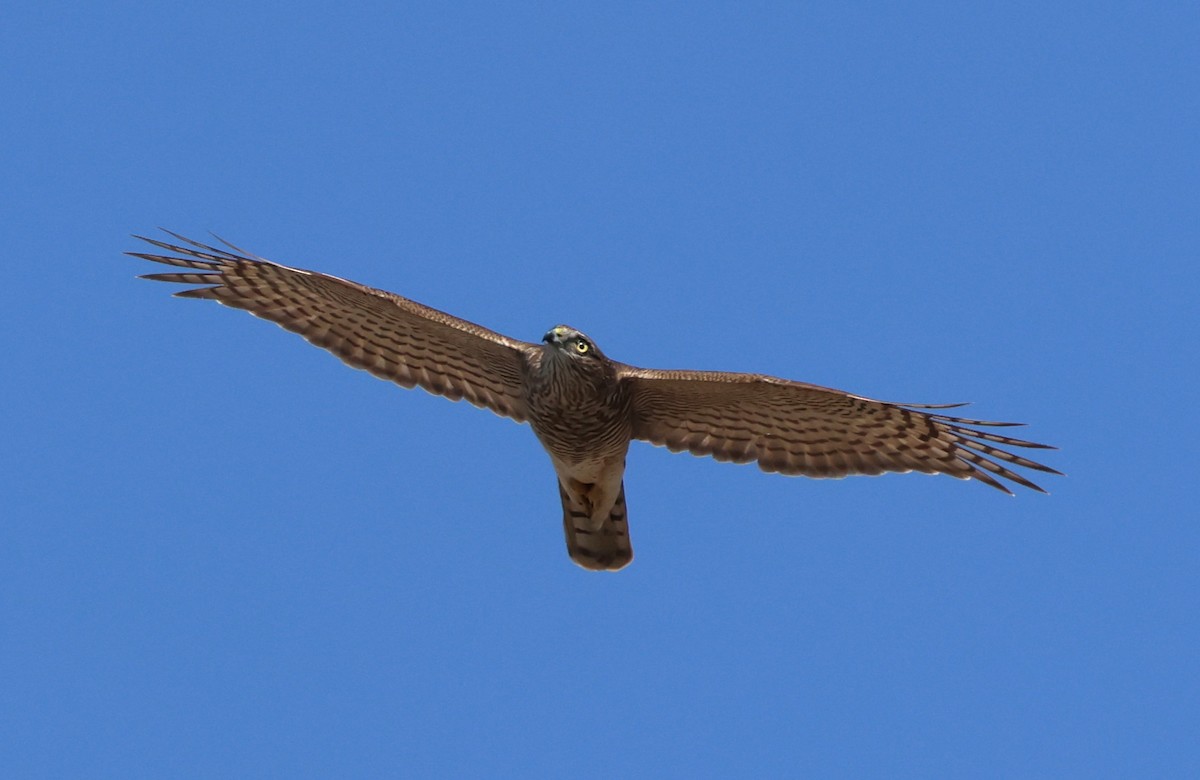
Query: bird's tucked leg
[[597, 498]]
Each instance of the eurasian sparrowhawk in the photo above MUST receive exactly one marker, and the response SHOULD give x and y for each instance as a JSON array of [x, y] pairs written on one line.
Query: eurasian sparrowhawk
[[585, 408]]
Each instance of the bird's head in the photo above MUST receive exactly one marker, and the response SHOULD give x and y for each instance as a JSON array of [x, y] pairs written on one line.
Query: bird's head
[[567, 341]]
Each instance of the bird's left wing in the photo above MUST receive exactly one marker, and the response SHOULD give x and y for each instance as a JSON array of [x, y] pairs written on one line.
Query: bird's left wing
[[797, 428], [392, 337]]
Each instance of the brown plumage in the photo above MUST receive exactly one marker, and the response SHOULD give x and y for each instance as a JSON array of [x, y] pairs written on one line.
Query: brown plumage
[[585, 408]]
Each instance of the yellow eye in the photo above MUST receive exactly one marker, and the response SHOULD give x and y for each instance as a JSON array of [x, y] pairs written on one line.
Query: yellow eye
[[582, 347]]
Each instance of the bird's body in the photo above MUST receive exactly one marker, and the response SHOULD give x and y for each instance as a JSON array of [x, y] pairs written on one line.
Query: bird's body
[[580, 411], [586, 409]]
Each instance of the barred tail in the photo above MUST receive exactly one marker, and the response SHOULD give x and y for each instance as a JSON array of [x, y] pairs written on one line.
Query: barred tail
[[603, 548]]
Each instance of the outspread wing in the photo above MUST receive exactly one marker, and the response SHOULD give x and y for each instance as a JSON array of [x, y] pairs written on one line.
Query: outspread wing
[[392, 337], [796, 428]]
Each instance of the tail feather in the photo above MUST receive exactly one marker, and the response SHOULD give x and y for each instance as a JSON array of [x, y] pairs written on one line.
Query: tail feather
[[606, 548]]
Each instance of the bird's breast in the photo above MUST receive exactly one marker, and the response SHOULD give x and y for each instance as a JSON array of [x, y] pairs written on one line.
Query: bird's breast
[[578, 418]]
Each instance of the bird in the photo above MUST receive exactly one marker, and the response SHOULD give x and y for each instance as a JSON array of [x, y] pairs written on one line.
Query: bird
[[585, 408]]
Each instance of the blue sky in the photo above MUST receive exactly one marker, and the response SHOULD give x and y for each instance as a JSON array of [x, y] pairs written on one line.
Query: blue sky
[[225, 554]]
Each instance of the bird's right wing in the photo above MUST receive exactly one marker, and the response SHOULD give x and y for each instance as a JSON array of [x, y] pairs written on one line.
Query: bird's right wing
[[392, 337]]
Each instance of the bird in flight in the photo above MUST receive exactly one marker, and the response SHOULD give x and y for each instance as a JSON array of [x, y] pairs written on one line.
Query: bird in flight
[[585, 408]]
